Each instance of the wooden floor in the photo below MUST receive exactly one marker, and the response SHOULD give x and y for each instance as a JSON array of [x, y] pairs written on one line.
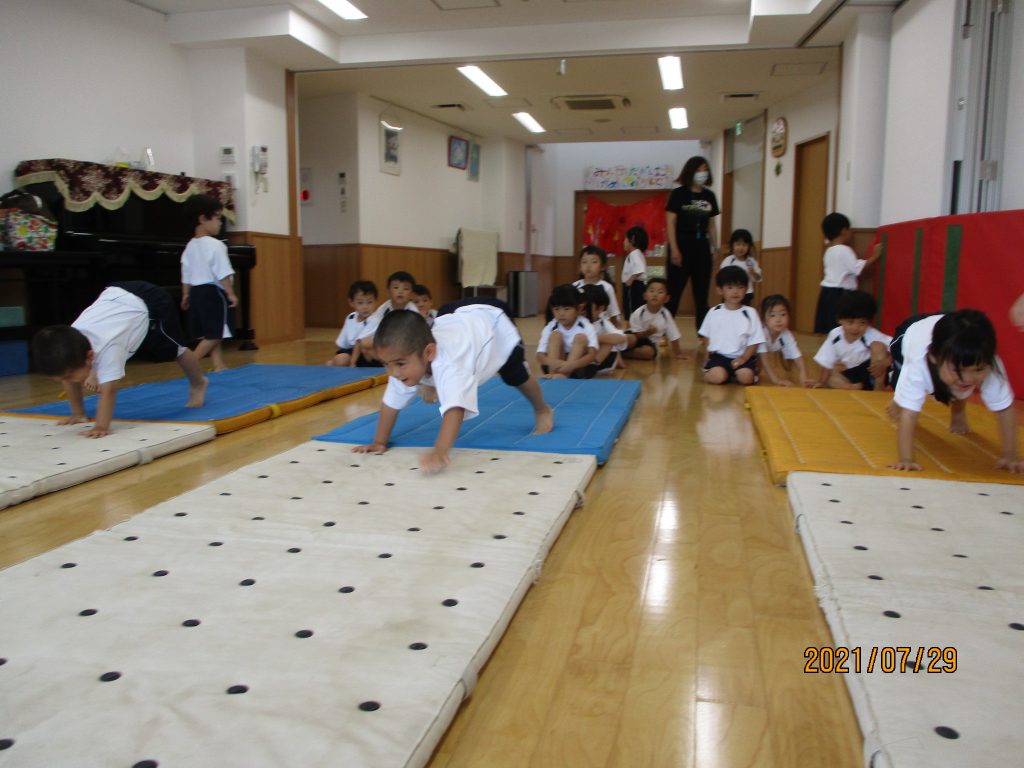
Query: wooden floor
[[668, 627]]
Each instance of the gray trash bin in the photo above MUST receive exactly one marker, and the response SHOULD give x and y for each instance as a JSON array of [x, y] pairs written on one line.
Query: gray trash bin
[[522, 293]]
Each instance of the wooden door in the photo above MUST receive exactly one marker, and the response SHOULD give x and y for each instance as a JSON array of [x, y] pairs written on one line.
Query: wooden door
[[810, 198]]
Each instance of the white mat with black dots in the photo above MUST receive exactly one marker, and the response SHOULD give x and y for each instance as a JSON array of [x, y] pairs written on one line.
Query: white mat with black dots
[[37, 456], [316, 609], [926, 575]]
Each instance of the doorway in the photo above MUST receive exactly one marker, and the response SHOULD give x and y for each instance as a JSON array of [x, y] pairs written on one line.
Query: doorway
[[810, 197]]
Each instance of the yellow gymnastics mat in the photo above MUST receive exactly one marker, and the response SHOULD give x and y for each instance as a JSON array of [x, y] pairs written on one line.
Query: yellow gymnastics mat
[[848, 432]]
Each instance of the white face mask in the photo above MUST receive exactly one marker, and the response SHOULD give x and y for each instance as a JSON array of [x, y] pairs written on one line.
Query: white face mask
[[701, 177]]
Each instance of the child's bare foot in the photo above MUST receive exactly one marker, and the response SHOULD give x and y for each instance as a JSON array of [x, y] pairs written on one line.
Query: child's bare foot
[[197, 394], [544, 422], [220, 368]]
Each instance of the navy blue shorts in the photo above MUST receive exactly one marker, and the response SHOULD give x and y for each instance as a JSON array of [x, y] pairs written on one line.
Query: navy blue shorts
[[208, 311], [860, 375], [716, 360], [164, 337]]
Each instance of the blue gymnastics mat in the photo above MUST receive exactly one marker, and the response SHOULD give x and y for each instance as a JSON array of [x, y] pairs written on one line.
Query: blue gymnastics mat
[[236, 398], [589, 415]]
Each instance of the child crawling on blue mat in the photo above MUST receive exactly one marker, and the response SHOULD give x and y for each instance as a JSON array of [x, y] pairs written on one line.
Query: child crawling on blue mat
[[468, 344]]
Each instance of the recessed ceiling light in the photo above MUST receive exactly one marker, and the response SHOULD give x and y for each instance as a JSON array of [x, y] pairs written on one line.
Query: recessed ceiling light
[[482, 81], [677, 117], [528, 122], [343, 8], [671, 73]]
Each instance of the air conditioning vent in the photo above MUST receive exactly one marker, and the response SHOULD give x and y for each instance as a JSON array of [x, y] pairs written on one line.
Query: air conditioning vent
[[591, 102], [740, 96]]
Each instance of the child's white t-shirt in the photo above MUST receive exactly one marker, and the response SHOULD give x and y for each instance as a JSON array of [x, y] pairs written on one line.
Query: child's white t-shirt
[[350, 330], [730, 331], [613, 303], [915, 382], [662, 320], [785, 343], [580, 325], [836, 349], [635, 264], [473, 343], [842, 267], [748, 265], [430, 317], [604, 326], [205, 260], [115, 325], [378, 314]]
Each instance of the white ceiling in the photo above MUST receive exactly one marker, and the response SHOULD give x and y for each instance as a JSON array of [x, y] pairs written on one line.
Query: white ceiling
[[405, 54]]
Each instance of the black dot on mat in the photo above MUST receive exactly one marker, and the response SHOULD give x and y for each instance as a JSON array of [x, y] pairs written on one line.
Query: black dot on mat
[[827, 484], [237, 689], [450, 602], [225, 494], [2, 662], [460, 488], [320, 450], [417, 646], [389, 484], [861, 547], [500, 536], [160, 573], [412, 530], [946, 732], [246, 582], [986, 588], [834, 501], [535, 493], [296, 498], [916, 506], [55, 448], [293, 461], [146, 764], [939, 530], [495, 458], [363, 503], [476, 565], [6, 743], [961, 556], [69, 565], [354, 466], [329, 524], [61, 463], [384, 555], [479, 472], [546, 476], [105, 450], [1016, 625], [88, 612], [875, 577], [190, 623], [304, 633], [215, 544], [439, 507], [369, 706], [846, 522], [346, 590], [413, 469], [983, 494], [258, 517], [891, 614], [109, 677], [180, 514], [262, 477], [326, 482], [1006, 512], [294, 550], [518, 513]]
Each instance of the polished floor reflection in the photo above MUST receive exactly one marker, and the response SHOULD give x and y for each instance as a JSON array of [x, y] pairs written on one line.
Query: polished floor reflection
[[670, 620]]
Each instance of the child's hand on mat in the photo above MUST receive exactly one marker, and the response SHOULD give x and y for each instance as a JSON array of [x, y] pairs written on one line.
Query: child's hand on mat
[[811, 383], [434, 461], [371, 448], [72, 419], [96, 432], [1013, 465], [906, 465], [783, 383]]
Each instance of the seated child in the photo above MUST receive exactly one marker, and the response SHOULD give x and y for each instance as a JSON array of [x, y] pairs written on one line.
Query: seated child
[[841, 269], [634, 269], [731, 331], [207, 280], [949, 357], [741, 247], [568, 344], [651, 322], [610, 340], [91, 352], [463, 349], [399, 297], [854, 355], [593, 262], [424, 303], [362, 297], [775, 313]]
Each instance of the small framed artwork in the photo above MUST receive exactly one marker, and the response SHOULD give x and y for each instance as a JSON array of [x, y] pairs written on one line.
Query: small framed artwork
[[390, 149], [474, 162], [458, 153]]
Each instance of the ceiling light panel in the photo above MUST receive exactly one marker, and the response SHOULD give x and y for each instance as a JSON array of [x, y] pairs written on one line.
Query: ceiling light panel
[[671, 68], [528, 122], [677, 118], [482, 81], [343, 8], [462, 5]]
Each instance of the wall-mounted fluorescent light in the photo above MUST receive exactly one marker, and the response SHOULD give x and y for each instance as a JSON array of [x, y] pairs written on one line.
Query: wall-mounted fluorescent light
[[677, 117], [389, 126], [343, 8], [671, 73], [528, 122], [482, 81]]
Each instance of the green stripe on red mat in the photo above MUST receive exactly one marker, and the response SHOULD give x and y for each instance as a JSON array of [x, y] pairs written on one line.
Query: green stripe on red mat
[[951, 275]]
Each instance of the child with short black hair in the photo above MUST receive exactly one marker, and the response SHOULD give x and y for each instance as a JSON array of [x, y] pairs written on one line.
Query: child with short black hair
[[362, 297], [651, 322], [841, 268], [775, 314], [593, 262], [854, 355], [634, 270], [424, 302], [464, 348], [950, 356], [741, 254], [400, 285], [91, 353], [731, 331], [568, 344], [611, 341], [207, 280]]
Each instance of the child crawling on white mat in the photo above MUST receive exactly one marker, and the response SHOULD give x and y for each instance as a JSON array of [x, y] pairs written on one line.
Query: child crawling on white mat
[[470, 341]]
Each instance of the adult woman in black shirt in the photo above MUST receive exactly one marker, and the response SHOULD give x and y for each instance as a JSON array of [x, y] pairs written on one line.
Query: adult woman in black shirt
[[691, 241]]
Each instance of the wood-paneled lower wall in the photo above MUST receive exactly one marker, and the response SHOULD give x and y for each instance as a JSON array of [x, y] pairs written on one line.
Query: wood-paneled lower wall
[[276, 294]]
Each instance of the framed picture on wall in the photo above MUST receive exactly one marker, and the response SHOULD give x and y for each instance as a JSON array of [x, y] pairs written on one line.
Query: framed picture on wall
[[458, 153], [390, 149], [474, 162]]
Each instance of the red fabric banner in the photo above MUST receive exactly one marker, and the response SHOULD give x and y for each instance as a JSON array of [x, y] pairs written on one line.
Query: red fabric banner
[[606, 225]]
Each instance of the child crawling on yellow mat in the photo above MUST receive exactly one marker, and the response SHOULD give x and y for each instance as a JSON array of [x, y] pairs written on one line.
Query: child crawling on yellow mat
[[949, 356], [470, 341]]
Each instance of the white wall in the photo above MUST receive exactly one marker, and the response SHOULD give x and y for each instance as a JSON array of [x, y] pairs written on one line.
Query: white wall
[[266, 124], [327, 146], [503, 190], [809, 115], [918, 114], [1013, 153], [86, 77], [562, 166]]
